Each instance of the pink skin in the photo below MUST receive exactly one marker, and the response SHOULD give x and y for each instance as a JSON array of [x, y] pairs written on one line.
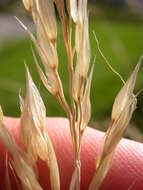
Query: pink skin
[[127, 166]]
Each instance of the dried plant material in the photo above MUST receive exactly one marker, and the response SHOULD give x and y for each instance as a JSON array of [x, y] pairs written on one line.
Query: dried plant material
[[82, 10], [68, 8], [83, 55], [1, 114], [15, 177], [77, 86], [106, 61], [61, 10], [21, 101], [125, 94], [51, 70], [74, 185], [53, 166], [30, 115], [101, 173], [33, 132], [123, 108], [81, 22], [46, 11], [111, 141], [28, 5], [85, 103], [82, 47], [7, 139], [7, 178], [25, 173], [46, 82], [83, 60], [73, 7], [45, 47], [23, 170], [36, 43], [47, 44], [45, 21], [50, 82]]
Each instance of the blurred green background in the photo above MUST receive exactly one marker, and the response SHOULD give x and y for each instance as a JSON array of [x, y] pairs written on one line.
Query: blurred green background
[[119, 27]]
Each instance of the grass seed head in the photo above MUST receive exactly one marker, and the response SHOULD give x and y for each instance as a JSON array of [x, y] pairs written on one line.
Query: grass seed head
[[125, 94], [82, 45], [44, 11], [33, 131], [123, 108], [33, 119]]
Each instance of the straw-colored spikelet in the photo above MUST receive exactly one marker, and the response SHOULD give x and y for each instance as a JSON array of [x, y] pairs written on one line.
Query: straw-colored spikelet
[[125, 94], [85, 102], [20, 161], [45, 21], [33, 132], [82, 46], [46, 30], [49, 80], [45, 12], [123, 108]]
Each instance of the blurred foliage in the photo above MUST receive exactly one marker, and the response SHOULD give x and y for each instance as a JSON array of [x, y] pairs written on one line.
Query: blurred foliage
[[111, 9], [5, 5]]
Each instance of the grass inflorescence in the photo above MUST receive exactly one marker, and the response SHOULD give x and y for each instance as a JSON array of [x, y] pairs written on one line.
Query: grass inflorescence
[[33, 135]]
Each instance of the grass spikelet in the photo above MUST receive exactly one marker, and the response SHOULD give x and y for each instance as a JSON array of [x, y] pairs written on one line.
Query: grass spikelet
[[33, 132], [123, 108], [82, 45], [50, 61], [50, 82], [32, 114], [23, 169], [45, 10], [125, 94], [47, 44], [85, 102]]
